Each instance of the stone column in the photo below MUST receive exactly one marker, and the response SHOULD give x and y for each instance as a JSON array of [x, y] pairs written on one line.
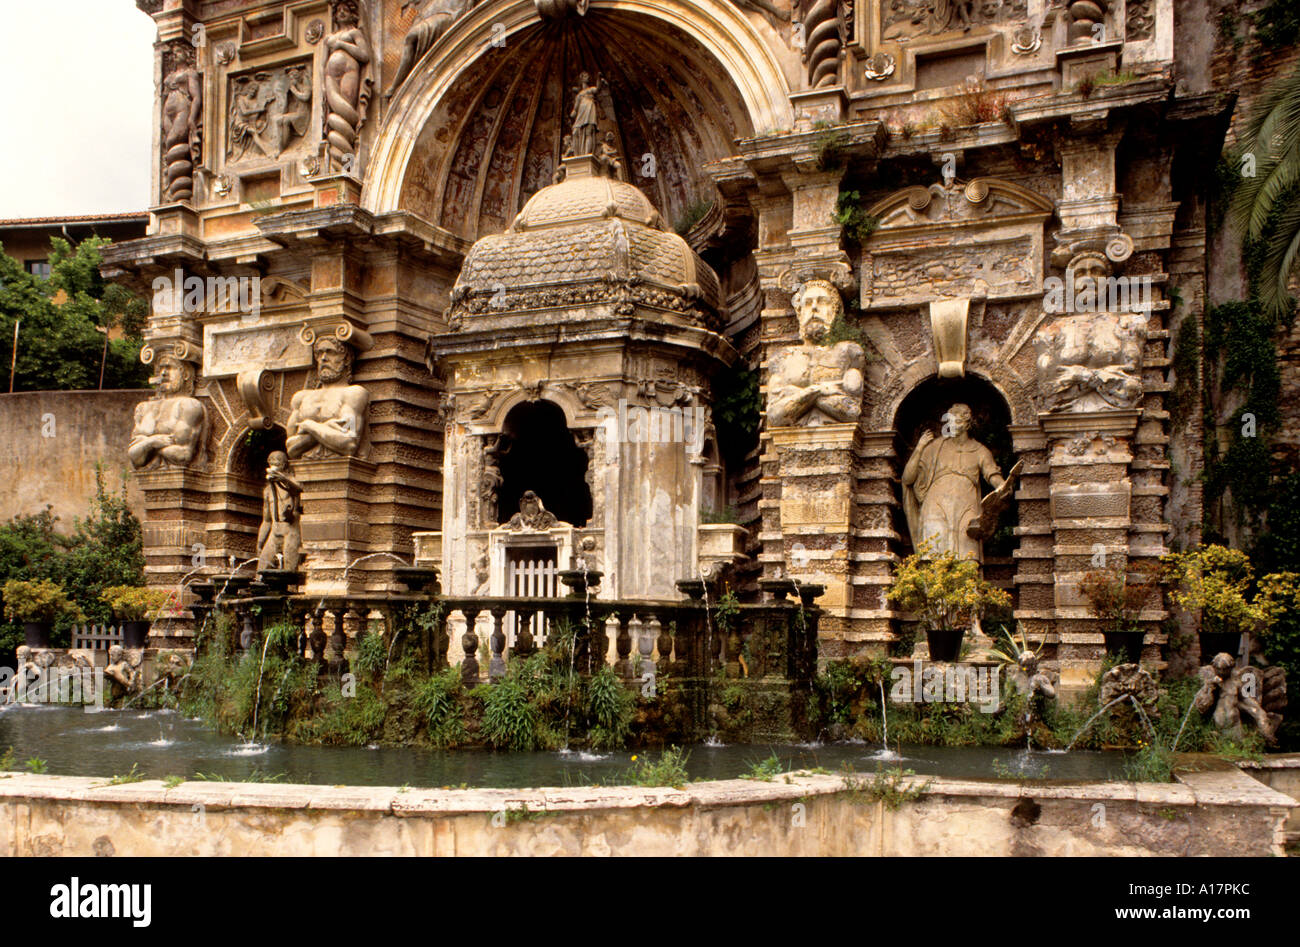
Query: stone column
[[1090, 496], [875, 544], [816, 507], [176, 501], [336, 522]]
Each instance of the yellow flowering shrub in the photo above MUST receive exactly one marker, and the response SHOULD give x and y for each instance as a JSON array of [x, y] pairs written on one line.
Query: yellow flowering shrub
[[1217, 581], [943, 591]]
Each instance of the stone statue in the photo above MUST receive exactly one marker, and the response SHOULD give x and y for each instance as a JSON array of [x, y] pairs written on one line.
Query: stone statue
[[1091, 362], [941, 487], [813, 383], [281, 531], [431, 22], [482, 574], [332, 415], [172, 425], [608, 157], [182, 123], [1228, 691], [585, 115], [347, 84], [532, 515], [123, 671], [488, 485], [1130, 680]]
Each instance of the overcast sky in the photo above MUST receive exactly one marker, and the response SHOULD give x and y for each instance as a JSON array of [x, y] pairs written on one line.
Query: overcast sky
[[76, 105]]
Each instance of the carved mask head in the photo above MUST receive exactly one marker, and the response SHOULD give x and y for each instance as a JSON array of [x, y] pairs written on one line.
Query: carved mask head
[[817, 305], [529, 504], [174, 376], [333, 361]]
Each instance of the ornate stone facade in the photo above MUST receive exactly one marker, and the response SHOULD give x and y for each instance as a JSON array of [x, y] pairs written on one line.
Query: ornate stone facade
[[540, 255]]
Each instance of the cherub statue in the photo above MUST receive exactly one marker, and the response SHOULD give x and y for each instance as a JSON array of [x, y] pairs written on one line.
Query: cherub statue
[[281, 531], [1229, 691], [122, 671]]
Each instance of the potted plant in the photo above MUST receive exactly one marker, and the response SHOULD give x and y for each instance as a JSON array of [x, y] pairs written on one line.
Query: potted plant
[[1217, 581], [38, 604], [134, 606], [947, 594], [1117, 596]]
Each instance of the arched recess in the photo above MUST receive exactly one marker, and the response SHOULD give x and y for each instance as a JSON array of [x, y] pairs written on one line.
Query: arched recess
[[477, 128], [923, 409], [537, 452]]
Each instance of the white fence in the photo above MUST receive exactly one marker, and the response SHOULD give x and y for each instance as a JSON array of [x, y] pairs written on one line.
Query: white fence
[[96, 637], [531, 578]]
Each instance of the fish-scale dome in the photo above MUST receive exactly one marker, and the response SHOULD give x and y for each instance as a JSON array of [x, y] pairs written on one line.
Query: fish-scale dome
[[587, 240]]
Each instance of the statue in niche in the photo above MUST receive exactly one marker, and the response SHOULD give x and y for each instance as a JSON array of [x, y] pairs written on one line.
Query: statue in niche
[[433, 20], [532, 515], [941, 487], [814, 383], [347, 85], [489, 483], [331, 416], [182, 123], [586, 114], [280, 536], [482, 574], [1226, 690], [171, 426]]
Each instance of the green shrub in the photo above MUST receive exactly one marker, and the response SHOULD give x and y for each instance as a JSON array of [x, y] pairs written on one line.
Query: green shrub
[[510, 719], [437, 700], [668, 770]]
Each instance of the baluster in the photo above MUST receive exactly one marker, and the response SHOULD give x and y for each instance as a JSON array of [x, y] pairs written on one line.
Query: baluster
[[663, 642], [623, 646], [469, 644], [497, 642], [599, 644], [524, 645]]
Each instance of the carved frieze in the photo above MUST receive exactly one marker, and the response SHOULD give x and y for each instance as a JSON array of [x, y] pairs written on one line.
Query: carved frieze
[[270, 111], [1140, 20], [982, 238], [905, 19]]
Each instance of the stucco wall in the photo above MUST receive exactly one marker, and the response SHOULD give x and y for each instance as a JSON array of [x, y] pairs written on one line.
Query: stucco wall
[[53, 441], [1217, 812]]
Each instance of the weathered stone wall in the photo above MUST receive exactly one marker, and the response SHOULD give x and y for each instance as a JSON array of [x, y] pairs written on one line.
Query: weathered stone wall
[[1221, 812], [54, 440]]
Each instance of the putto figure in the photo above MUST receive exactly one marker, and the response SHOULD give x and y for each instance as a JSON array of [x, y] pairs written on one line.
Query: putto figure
[[347, 84], [171, 426], [1225, 691], [332, 415], [815, 383], [941, 487], [281, 531]]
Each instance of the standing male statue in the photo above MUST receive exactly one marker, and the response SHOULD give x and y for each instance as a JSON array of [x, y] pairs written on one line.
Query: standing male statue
[[814, 383], [332, 415], [941, 487], [172, 425], [281, 532]]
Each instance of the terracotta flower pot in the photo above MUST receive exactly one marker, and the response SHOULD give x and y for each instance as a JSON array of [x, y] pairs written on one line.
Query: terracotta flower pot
[[135, 634], [945, 643], [1125, 644], [1214, 642], [37, 633]]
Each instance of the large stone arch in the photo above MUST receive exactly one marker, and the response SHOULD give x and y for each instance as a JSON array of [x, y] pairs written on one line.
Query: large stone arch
[[725, 64]]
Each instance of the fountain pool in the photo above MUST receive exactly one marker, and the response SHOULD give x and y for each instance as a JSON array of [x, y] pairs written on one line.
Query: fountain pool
[[161, 743]]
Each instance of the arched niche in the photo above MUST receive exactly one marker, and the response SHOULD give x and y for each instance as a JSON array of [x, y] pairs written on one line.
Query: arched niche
[[478, 127], [538, 452], [923, 409]]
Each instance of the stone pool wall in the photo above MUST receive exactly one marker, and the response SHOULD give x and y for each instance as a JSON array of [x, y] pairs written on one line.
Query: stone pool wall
[[1216, 812]]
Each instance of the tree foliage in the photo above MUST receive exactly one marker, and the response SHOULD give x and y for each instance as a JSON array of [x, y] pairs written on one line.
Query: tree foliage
[[59, 344]]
